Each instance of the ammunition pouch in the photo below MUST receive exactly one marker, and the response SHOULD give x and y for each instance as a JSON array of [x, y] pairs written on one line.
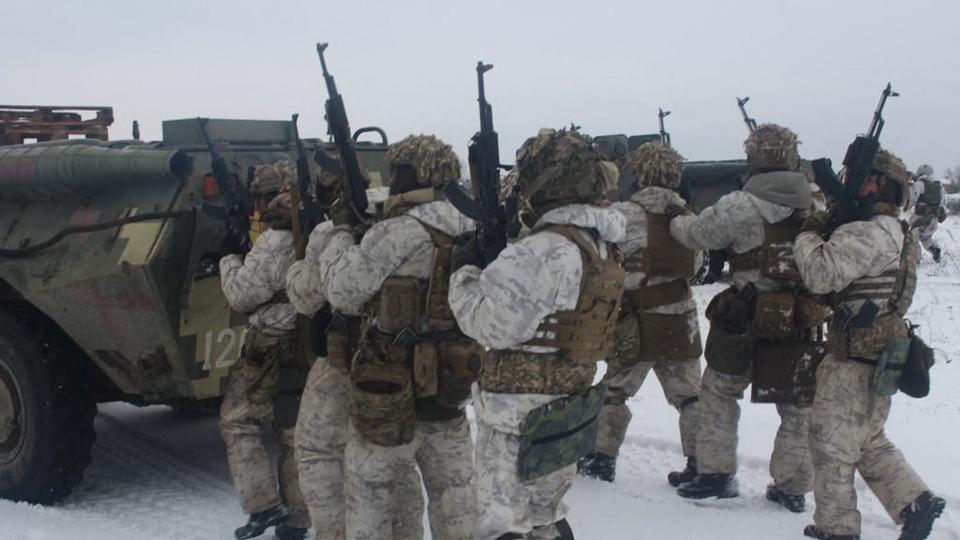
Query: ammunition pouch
[[889, 368], [556, 435], [399, 305], [784, 371], [343, 334], [915, 381], [869, 342], [458, 368], [382, 404], [520, 372], [774, 315]]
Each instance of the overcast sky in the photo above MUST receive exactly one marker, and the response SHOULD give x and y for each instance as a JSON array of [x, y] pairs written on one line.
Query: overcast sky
[[815, 66]]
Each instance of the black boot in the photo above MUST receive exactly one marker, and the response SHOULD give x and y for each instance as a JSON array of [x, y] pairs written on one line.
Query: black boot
[[935, 251], [285, 532], [563, 527], [719, 485], [676, 478], [793, 503], [813, 532], [261, 521], [598, 465], [918, 516]]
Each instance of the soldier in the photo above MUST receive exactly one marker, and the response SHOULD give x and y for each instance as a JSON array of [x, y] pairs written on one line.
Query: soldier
[[411, 377], [872, 261], [757, 226], [928, 210], [546, 311], [658, 327], [256, 405]]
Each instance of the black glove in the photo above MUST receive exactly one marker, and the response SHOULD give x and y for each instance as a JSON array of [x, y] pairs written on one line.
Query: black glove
[[674, 210], [467, 253], [233, 245], [341, 212], [816, 222]]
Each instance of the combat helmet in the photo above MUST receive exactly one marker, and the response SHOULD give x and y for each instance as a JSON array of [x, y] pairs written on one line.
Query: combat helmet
[[655, 164], [893, 187], [270, 178], [771, 147], [434, 162], [924, 170], [557, 168]]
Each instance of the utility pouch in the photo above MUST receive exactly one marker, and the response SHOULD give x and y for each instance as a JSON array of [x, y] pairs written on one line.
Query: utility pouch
[[458, 367], [808, 313], [774, 317], [728, 352], [731, 310], [382, 403], [670, 336], [439, 315], [889, 370], [399, 304], [915, 381], [784, 371], [342, 336], [425, 369], [556, 435]]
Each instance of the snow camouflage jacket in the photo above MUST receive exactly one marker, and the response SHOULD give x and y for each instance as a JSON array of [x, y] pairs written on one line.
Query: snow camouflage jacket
[[250, 282], [735, 222], [353, 274], [304, 287], [502, 305]]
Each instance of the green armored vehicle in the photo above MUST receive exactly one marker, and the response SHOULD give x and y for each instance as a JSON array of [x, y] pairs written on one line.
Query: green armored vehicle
[[109, 287]]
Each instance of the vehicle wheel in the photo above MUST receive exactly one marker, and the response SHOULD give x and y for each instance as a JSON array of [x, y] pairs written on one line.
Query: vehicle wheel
[[46, 416]]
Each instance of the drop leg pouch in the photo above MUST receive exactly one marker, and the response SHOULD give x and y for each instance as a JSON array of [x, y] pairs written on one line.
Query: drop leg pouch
[[556, 435], [382, 403]]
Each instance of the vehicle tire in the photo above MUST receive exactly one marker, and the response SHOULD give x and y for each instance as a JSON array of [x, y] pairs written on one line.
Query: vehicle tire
[[46, 415]]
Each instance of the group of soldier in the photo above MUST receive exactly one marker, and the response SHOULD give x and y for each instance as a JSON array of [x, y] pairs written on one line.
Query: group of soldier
[[420, 327]]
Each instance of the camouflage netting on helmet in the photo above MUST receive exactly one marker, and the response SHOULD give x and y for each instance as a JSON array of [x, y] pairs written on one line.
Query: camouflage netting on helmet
[[434, 161], [893, 169], [561, 167], [772, 147], [656, 164], [925, 170], [272, 177]]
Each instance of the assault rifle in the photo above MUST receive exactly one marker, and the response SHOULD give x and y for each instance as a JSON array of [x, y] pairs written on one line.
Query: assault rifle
[[308, 212], [849, 206], [750, 122], [664, 136], [354, 180], [235, 200], [484, 158]]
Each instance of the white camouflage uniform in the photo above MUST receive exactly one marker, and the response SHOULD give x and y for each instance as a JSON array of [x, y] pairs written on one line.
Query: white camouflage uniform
[[925, 225], [680, 379], [501, 307], [401, 246], [736, 222], [846, 426], [247, 417]]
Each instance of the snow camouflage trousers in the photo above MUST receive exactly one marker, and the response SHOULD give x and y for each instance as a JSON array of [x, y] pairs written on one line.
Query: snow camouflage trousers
[[506, 504], [379, 490], [247, 419], [791, 465], [321, 438], [846, 435], [924, 227], [625, 375]]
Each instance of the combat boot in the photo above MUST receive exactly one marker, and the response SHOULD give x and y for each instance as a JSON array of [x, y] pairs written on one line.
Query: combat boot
[[284, 532], [793, 503], [813, 532], [935, 251], [598, 465], [918, 516], [703, 486], [676, 478], [261, 521]]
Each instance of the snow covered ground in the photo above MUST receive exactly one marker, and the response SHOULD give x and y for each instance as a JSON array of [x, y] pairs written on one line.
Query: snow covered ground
[[158, 475]]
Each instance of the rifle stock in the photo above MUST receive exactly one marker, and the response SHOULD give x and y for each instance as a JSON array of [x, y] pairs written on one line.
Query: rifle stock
[[235, 200]]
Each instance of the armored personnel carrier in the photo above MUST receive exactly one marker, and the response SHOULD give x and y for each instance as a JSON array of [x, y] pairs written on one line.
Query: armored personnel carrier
[[109, 287]]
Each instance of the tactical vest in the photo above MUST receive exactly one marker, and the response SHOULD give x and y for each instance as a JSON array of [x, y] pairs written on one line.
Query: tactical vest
[[891, 291], [773, 257], [931, 198], [663, 256], [416, 351], [582, 336]]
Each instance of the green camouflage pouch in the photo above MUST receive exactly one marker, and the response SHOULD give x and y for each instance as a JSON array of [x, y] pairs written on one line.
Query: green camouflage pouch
[[556, 435], [886, 376]]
